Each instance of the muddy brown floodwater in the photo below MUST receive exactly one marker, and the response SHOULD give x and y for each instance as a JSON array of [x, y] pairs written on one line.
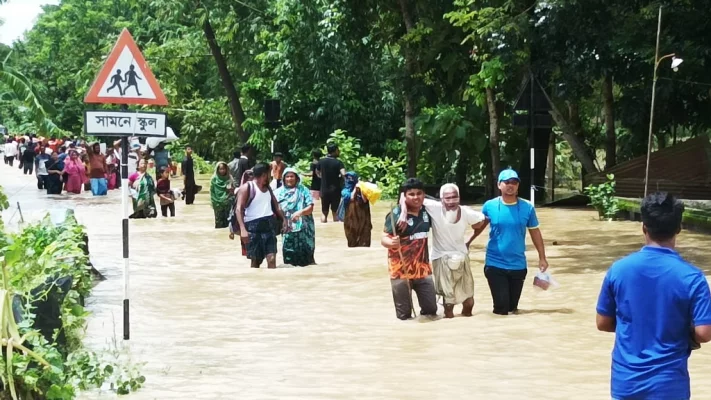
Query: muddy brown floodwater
[[209, 327]]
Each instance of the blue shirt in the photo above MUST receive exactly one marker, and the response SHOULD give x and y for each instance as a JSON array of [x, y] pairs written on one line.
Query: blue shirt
[[507, 238], [655, 297]]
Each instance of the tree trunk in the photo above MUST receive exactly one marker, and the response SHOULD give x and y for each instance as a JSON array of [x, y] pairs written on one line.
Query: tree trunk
[[674, 135], [661, 140], [610, 137], [461, 171], [410, 137], [493, 136], [573, 134], [409, 107], [227, 82], [550, 169]]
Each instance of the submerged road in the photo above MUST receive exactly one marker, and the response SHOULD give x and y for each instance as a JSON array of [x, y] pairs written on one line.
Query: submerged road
[[209, 327]]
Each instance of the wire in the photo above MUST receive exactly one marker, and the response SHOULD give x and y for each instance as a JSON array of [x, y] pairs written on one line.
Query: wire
[[686, 81], [18, 191]]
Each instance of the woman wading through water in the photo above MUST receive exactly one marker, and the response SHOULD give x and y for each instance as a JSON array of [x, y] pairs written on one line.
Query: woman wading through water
[[221, 188], [354, 211], [74, 173], [144, 205], [53, 181], [297, 205]]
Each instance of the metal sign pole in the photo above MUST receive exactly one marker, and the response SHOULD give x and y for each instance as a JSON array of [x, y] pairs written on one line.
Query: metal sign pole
[[124, 232], [531, 139]]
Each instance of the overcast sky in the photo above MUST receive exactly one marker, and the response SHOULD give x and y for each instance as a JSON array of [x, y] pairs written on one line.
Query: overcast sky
[[19, 16]]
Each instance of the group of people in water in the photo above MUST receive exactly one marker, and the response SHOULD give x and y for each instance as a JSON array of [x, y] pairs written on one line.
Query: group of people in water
[[271, 200], [657, 304], [63, 165], [447, 271], [260, 201], [75, 166]]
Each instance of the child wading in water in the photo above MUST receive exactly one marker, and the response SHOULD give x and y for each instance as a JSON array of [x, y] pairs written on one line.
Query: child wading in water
[[234, 225], [167, 200]]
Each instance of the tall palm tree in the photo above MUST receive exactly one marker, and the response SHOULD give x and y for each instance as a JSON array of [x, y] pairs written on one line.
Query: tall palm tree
[[15, 86]]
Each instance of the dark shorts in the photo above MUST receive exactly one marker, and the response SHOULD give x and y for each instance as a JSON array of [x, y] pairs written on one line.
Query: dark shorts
[[330, 199], [262, 240]]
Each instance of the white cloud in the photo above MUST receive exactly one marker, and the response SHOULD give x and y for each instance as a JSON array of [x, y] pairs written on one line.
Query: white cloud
[[19, 16]]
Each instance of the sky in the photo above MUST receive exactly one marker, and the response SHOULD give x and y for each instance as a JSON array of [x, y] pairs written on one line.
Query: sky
[[19, 16]]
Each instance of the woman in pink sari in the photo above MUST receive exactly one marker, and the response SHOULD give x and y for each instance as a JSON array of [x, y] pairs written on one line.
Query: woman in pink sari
[[75, 173]]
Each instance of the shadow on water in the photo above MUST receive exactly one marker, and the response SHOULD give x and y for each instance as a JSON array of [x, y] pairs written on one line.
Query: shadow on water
[[547, 311]]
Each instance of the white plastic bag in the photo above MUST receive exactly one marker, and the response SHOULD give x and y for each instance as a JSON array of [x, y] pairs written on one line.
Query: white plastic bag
[[544, 281]]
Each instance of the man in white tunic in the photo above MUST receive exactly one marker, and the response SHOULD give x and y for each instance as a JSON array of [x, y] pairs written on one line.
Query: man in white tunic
[[450, 249]]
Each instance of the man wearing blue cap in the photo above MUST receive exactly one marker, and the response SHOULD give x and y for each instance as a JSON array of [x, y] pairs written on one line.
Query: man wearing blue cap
[[505, 267]]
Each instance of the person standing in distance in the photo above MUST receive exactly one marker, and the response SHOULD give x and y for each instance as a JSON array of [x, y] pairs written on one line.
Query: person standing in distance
[[189, 176], [505, 267], [332, 172], [240, 164], [659, 307], [277, 167]]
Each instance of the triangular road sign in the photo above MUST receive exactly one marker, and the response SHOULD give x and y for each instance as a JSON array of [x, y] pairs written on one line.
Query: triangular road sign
[[125, 78]]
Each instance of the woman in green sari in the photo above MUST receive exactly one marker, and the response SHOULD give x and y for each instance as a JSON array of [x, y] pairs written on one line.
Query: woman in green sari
[[297, 204], [144, 190], [220, 192]]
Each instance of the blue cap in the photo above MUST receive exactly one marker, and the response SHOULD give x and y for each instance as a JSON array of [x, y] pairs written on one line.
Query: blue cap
[[507, 174]]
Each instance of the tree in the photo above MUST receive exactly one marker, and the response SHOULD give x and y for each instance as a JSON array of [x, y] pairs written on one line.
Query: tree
[[495, 31]]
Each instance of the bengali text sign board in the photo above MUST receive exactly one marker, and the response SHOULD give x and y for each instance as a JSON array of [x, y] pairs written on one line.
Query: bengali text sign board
[[125, 123]]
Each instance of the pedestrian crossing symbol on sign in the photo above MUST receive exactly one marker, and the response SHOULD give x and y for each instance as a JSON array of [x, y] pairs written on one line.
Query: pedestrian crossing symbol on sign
[[125, 78]]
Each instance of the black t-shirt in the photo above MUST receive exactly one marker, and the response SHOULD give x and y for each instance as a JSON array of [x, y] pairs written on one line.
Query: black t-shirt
[[330, 168], [315, 180], [242, 167], [188, 171]]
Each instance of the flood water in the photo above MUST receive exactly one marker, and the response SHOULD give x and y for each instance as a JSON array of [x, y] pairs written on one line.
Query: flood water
[[209, 327]]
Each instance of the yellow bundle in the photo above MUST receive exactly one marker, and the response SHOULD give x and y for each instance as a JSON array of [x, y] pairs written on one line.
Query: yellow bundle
[[371, 191]]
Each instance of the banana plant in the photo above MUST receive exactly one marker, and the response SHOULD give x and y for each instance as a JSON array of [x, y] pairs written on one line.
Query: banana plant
[[16, 86]]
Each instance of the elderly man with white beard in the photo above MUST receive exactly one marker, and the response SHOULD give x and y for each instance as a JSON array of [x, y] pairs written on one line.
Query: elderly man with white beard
[[450, 249]]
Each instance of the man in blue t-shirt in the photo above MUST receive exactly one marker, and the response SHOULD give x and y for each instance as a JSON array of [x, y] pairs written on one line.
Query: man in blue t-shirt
[[505, 266], [659, 307]]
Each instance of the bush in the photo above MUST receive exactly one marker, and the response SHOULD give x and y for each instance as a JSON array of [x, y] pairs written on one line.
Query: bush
[[36, 263], [602, 197]]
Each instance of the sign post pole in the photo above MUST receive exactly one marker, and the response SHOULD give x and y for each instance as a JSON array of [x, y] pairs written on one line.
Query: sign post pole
[[124, 235]]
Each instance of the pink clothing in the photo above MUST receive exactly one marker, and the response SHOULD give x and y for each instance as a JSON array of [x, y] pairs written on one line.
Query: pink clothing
[[132, 178], [111, 180], [76, 176]]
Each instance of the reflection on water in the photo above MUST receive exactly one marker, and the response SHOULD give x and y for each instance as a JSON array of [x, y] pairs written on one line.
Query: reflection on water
[[209, 327]]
